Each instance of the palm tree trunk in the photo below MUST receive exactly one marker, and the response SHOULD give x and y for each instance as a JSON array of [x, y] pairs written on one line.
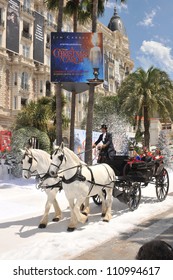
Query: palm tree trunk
[[146, 128], [89, 125], [58, 86], [73, 100], [72, 122]]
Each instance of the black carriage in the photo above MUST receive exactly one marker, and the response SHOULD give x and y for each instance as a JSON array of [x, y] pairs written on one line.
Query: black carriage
[[134, 174]]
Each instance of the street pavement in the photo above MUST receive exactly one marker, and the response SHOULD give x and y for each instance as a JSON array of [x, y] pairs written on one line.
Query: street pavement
[[127, 246]]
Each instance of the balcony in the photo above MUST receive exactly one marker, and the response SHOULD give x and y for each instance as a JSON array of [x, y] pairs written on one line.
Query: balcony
[[50, 25], [26, 35], [27, 11], [25, 87]]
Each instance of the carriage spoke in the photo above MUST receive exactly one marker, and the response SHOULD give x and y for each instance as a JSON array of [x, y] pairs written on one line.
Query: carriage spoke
[[134, 196]]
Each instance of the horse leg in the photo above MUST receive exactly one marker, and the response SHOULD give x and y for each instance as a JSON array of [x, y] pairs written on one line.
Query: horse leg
[[109, 199], [44, 220], [102, 195], [86, 208], [80, 217], [50, 200], [73, 219], [57, 209]]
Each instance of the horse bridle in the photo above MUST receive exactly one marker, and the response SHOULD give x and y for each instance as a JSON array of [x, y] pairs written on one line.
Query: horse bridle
[[61, 157], [30, 161]]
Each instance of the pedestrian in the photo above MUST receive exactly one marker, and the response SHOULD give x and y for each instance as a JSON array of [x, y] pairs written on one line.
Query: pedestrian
[[107, 150], [155, 250]]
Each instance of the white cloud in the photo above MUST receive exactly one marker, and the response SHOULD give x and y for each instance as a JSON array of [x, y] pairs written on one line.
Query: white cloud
[[156, 54], [148, 19], [112, 5]]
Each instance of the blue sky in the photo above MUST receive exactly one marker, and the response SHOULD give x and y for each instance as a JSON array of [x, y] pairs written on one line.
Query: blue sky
[[149, 26]]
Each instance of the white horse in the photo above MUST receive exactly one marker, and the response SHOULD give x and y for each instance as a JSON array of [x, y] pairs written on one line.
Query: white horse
[[81, 181], [37, 162]]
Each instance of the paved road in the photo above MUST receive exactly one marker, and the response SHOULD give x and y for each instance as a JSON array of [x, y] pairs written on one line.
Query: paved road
[[126, 247]]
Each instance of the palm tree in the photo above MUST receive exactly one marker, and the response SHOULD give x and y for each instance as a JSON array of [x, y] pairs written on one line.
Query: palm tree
[[58, 5], [74, 9], [145, 93]]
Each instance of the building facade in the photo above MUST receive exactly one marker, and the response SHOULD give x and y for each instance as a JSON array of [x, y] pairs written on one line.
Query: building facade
[[25, 66]]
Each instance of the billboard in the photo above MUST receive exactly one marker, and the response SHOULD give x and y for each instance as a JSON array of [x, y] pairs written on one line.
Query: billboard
[[76, 57], [38, 48], [12, 30]]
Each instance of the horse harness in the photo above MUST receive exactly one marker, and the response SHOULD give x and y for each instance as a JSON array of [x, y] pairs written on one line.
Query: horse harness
[[79, 177], [30, 161], [56, 185]]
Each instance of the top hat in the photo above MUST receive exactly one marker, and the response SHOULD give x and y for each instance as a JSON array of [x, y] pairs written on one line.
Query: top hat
[[104, 126]]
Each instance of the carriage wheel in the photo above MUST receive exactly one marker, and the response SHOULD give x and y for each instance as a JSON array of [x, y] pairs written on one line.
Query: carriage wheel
[[162, 185], [97, 199], [134, 196]]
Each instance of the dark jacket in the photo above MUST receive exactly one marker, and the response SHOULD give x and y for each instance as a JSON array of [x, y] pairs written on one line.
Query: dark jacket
[[109, 150]]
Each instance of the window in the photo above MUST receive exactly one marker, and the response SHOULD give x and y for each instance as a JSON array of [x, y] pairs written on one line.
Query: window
[[34, 85], [48, 60], [15, 78], [79, 98], [25, 31], [15, 103], [41, 86], [48, 88], [49, 18], [79, 116], [27, 4], [24, 81], [48, 41], [26, 51], [111, 87], [23, 102], [1, 17]]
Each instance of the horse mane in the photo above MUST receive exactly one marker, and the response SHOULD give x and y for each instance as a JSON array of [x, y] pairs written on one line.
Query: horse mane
[[41, 154], [74, 156]]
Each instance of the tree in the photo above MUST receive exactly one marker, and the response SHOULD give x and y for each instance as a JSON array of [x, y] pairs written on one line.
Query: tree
[[143, 94], [74, 8], [58, 5], [41, 114], [89, 126]]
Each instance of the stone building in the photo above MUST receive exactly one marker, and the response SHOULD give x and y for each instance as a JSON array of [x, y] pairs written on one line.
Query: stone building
[[25, 76]]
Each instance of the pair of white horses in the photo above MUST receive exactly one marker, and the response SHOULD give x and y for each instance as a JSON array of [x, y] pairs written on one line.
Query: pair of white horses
[[79, 182]]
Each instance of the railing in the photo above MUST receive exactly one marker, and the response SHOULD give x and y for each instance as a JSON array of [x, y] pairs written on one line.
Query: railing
[[26, 10], [25, 87]]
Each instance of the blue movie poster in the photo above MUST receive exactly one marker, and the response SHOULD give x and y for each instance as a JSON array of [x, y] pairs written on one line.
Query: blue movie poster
[[76, 57]]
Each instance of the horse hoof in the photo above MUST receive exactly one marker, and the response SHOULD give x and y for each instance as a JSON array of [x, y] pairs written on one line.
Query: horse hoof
[[105, 220], [55, 219], [42, 226], [70, 229], [103, 215]]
